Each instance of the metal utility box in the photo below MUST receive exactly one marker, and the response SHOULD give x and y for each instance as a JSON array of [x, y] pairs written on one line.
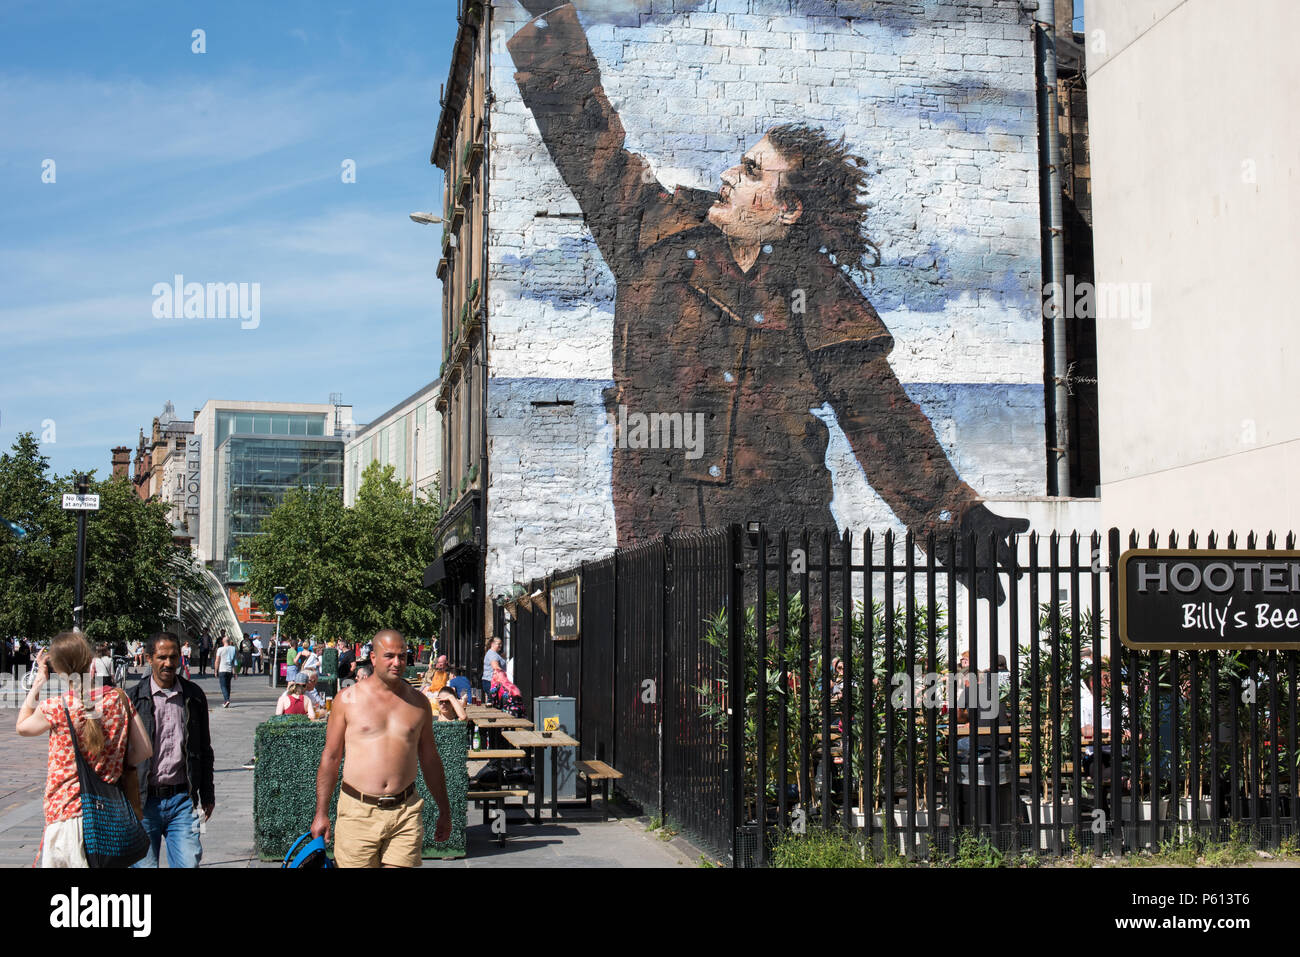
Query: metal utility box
[[563, 715]]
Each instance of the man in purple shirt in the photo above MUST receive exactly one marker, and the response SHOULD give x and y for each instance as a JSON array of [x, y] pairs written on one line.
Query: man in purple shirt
[[178, 780]]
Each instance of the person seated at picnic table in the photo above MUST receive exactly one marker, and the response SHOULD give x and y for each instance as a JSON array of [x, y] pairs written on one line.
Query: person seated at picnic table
[[446, 705], [1089, 732], [458, 684], [505, 694], [308, 679], [837, 679], [437, 676], [985, 694], [294, 701]]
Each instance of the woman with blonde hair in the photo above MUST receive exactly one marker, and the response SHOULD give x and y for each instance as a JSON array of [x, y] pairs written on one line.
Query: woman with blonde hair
[[293, 701], [109, 733]]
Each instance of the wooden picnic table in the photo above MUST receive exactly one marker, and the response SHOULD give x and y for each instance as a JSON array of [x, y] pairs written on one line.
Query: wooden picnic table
[[543, 739], [507, 722], [497, 721]]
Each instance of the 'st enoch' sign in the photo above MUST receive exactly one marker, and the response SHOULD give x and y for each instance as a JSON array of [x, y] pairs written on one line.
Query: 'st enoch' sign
[[1199, 598]]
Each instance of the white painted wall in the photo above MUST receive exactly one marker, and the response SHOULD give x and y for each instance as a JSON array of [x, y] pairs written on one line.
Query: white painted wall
[[1195, 172]]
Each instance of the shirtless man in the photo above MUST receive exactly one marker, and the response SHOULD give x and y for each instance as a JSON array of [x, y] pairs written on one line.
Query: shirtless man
[[384, 726]]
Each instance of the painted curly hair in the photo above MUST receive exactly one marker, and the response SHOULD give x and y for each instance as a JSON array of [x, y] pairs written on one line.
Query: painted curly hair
[[830, 182]]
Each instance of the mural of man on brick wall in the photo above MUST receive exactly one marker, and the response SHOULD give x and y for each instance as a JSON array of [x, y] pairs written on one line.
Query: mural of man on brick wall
[[731, 312]]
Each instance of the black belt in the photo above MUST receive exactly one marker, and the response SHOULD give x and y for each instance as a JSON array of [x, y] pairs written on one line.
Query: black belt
[[168, 790], [384, 801]]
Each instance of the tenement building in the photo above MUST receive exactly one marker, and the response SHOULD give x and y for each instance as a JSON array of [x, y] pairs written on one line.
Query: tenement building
[[729, 262]]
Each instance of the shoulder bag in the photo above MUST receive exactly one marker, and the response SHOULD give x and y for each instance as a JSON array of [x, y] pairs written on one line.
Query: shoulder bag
[[110, 832]]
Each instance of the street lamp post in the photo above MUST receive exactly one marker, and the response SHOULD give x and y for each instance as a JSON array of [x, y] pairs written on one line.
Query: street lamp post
[[79, 575], [274, 675]]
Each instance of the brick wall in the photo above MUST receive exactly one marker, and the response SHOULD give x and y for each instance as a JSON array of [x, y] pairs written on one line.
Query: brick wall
[[939, 97]]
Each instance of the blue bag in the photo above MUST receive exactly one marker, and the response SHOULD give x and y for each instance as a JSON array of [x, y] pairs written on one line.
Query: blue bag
[[307, 852], [110, 832]]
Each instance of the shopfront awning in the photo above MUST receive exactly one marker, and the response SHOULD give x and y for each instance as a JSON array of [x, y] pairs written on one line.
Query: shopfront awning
[[450, 562], [435, 572]]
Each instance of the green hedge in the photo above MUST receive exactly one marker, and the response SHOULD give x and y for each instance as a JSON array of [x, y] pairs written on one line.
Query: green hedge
[[288, 750]]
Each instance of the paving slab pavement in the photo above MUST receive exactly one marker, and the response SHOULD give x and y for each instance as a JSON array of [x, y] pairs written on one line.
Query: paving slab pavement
[[580, 838]]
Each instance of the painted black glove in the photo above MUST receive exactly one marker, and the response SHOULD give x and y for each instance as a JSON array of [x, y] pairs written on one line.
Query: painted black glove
[[982, 522]]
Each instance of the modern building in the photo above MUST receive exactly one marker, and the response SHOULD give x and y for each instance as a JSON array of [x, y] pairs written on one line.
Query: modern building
[[659, 363], [249, 454], [408, 437], [1195, 189]]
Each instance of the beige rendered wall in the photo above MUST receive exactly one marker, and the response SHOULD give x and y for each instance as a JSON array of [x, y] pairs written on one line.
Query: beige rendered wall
[[1195, 159]]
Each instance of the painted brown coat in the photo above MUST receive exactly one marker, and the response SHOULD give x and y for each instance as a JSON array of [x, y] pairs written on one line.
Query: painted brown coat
[[753, 353]]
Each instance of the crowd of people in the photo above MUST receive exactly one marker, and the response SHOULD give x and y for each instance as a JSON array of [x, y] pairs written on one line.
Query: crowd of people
[[154, 740]]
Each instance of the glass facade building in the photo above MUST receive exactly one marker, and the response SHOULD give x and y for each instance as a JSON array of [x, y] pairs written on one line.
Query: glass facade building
[[268, 423], [255, 469]]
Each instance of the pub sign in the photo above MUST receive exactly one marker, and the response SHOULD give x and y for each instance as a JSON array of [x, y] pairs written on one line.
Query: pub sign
[[1189, 599]]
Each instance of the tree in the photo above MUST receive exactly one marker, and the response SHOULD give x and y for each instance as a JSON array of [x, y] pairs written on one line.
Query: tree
[[130, 554], [348, 571]]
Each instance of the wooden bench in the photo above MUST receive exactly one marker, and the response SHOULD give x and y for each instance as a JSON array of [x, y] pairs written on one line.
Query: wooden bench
[[602, 772], [499, 798], [490, 755]]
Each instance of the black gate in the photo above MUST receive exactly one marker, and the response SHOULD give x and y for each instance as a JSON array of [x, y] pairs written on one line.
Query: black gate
[[882, 695]]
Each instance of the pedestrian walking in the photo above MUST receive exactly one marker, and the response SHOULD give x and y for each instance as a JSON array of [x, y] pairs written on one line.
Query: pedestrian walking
[[347, 659], [385, 727], [257, 653], [108, 732], [205, 650], [245, 655], [227, 655], [102, 667], [178, 780]]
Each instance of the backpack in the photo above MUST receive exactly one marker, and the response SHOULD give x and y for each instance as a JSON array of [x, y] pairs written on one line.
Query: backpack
[[246, 646]]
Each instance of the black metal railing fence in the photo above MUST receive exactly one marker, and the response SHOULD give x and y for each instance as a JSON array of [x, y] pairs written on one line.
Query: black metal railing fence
[[905, 747]]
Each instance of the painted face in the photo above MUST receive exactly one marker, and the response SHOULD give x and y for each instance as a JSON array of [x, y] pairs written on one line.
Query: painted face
[[747, 208]]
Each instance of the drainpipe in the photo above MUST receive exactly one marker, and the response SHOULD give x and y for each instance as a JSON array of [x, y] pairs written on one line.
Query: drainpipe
[[485, 33], [1055, 357]]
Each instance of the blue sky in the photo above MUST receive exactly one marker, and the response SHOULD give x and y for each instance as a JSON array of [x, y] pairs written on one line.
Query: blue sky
[[224, 166]]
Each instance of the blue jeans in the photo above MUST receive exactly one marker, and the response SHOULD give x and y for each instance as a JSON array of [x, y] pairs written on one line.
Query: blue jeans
[[487, 689], [223, 679], [176, 819]]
